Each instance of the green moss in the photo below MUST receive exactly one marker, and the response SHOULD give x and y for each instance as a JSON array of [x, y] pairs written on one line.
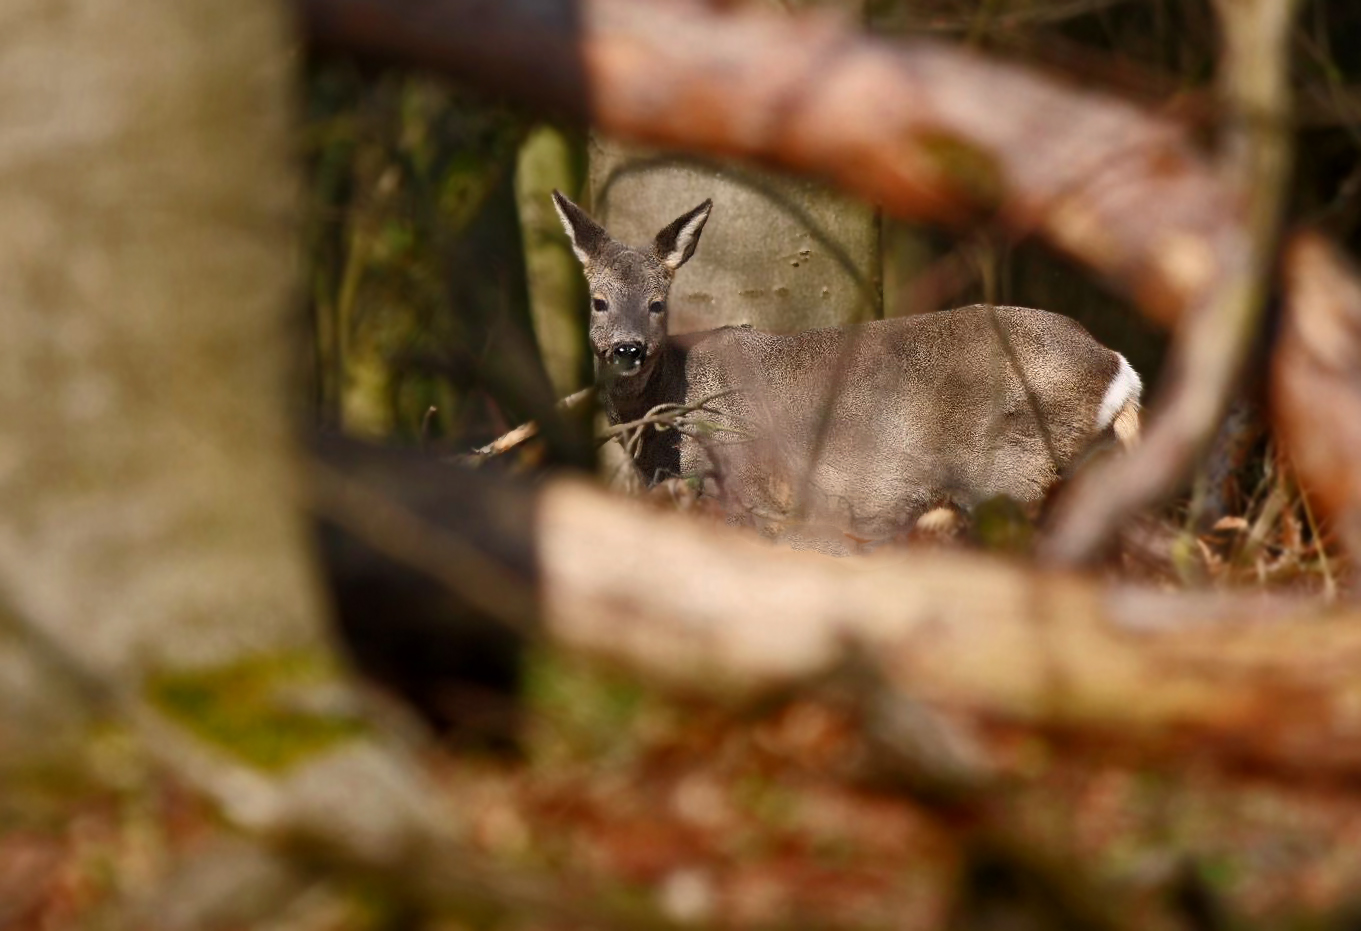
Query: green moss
[[1002, 526], [597, 715], [256, 709], [968, 168]]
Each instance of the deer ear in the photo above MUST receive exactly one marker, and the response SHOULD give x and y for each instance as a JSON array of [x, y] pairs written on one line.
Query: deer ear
[[675, 244], [588, 237]]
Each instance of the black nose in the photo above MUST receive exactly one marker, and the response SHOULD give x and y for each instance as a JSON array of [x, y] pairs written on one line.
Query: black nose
[[627, 353]]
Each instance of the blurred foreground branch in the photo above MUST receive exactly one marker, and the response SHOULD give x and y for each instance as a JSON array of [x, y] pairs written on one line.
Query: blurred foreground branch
[[1269, 681], [1210, 353], [1316, 379], [707, 609], [928, 131]]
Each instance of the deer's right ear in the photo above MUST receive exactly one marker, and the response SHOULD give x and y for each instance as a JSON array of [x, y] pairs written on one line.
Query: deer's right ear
[[588, 237]]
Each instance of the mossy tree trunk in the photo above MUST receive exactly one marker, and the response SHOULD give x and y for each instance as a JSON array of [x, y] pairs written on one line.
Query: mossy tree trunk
[[551, 159], [150, 534]]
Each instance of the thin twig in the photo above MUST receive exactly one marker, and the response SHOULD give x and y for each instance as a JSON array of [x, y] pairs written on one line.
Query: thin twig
[[668, 416], [527, 431], [426, 422], [664, 415], [1329, 580]]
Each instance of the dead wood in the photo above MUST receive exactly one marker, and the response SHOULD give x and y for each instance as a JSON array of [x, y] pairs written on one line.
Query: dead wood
[[1315, 388], [1212, 346], [704, 609], [527, 431], [1244, 677], [927, 131]]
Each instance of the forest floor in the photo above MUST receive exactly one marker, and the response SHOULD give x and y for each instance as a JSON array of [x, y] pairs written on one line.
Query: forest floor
[[765, 817]]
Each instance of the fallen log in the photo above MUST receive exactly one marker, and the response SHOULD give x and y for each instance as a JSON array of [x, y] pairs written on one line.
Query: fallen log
[[706, 609]]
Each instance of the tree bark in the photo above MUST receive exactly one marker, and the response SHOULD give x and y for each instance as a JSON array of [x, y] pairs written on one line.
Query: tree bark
[[150, 540], [557, 295]]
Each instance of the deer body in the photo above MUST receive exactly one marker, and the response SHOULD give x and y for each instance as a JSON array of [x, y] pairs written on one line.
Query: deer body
[[860, 427]]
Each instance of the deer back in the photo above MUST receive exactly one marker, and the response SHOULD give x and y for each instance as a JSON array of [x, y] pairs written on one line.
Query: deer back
[[871, 425]]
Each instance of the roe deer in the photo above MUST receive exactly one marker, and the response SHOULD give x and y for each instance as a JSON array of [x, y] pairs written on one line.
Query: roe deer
[[863, 428]]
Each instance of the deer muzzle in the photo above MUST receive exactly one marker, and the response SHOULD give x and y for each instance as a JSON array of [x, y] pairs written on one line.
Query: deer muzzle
[[627, 358]]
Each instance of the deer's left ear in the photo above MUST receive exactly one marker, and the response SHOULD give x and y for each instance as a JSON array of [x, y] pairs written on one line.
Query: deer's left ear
[[675, 244]]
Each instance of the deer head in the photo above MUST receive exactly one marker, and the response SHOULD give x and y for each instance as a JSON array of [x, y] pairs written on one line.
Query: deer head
[[629, 289]]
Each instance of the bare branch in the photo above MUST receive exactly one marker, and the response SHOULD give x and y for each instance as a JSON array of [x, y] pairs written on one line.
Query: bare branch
[[1212, 346], [527, 431], [1316, 379]]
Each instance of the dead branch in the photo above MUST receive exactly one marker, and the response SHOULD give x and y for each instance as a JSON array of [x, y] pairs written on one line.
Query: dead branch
[[662, 416], [527, 431], [929, 132], [1315, 389], [629, 434], [1243, 678], [1271, 681], [1210, 353]]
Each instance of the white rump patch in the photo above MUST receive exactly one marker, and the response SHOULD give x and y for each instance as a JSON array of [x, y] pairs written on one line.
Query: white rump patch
[[1126, 386]]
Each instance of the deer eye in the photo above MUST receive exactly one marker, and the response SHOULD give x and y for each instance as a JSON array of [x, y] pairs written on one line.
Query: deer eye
[[600, 305], [656, 307]]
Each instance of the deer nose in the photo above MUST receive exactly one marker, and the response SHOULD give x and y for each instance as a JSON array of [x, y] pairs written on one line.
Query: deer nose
[[629, 354]]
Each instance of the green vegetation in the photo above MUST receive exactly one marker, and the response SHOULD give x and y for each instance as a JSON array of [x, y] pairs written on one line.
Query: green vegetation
[[267, 711]]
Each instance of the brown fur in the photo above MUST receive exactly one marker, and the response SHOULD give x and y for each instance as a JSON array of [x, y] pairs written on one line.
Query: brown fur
[[862, 428]]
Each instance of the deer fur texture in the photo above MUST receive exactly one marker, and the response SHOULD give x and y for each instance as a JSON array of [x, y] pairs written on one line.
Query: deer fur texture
[[862, 428]]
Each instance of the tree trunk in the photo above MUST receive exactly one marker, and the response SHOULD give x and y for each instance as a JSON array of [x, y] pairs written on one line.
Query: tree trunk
[[149, 533], [557, 295]]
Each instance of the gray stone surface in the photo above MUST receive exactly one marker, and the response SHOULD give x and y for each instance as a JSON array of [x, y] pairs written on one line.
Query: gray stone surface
[[783, 254]]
